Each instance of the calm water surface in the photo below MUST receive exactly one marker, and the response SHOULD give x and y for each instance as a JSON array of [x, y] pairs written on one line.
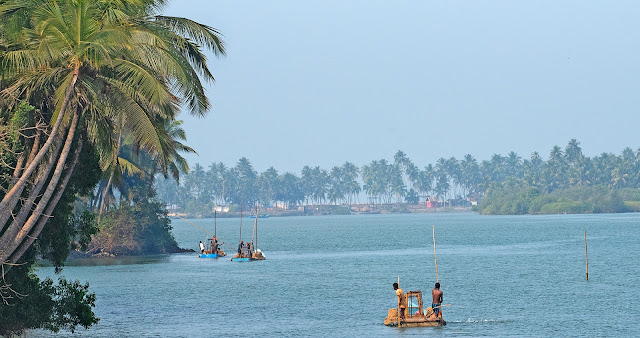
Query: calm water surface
[[331, 277]]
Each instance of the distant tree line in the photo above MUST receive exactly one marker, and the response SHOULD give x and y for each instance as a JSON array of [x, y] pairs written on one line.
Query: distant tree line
[[450, 181]]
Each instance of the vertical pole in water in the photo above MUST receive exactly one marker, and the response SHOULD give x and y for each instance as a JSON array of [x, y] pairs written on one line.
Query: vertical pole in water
[[399, 303], [585, 253], [240, 224], [255, 231], [434, 252], [215, 223]]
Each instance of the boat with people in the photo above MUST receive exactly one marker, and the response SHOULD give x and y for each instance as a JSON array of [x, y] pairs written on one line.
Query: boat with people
[[410, 312], [415, 315], [249, 251], [213, 247]]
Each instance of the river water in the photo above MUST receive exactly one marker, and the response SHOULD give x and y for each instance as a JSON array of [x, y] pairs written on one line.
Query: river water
[[331, 276]]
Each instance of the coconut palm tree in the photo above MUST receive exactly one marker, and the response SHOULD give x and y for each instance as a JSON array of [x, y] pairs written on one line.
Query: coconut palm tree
[[267, 185], [350, 180], [92, 64]]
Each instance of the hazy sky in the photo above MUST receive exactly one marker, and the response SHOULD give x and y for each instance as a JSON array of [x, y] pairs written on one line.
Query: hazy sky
[[324, 82]]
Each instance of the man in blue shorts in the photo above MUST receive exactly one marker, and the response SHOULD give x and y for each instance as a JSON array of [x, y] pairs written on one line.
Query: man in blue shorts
[[436, 304]]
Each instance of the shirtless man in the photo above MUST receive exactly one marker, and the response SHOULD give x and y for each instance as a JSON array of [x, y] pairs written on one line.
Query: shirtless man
[[402, 300], [240, 246], [214, 245], [437, 300]]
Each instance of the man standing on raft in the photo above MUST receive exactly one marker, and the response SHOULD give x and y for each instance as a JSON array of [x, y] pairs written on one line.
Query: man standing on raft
[[402, 300], [436, 304]]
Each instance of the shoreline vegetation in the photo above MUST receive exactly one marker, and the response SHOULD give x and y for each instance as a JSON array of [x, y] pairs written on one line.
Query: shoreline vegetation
[[567, 182], [325, 210]]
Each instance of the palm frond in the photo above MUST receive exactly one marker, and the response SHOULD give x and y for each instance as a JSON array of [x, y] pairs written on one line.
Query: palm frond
[[202, 34]]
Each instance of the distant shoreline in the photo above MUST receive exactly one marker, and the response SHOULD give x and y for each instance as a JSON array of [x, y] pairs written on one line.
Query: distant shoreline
[[323, 210]]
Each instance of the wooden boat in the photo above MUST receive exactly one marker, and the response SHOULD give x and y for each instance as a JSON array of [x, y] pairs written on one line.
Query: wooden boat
[[253, 254], [211, 255], [416, 316], [209, 252]]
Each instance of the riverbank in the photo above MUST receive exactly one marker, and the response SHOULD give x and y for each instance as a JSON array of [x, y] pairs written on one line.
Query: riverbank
[[324, 210]]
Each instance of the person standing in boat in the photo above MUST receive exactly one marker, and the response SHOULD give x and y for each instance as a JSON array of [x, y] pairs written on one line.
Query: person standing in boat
[[240, 246], [249, 248], [245, 250], [214, 245], [402, 300], [201, 247], [436, 304]]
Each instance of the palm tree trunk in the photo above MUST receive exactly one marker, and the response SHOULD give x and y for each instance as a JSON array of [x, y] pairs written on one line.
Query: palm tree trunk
[[17, 170], [103, 197], [17, 232], [50, 208], [10, 200], [30, 201], [34, 148], [103, 201], [98, 199], [39, 179], [21, 161]]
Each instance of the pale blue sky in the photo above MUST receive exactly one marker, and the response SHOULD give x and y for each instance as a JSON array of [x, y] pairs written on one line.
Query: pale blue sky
[[324, 82]]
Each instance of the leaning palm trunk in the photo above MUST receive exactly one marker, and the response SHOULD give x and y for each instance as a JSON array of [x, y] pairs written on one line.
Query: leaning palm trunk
[[39, 182], [10, 200], [105, 193], [34, 150], [17, 231], [50, 208], [21, 161], [17, 170], [104, 196]]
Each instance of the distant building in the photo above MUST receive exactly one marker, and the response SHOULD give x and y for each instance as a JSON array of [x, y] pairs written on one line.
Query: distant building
[[281, 205], [221, 209], [432, 202], [473, 198]]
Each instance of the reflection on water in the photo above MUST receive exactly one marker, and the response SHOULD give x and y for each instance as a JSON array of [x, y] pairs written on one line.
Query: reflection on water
[[119, 260]]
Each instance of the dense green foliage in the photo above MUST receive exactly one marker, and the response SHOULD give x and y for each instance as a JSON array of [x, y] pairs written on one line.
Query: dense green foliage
[[575, 200], [567, 182], [44, 304], [138, 228], [35, 303], [79, 80]]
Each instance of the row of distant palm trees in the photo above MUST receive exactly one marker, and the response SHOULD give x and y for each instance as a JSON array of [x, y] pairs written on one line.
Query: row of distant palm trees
[[449, 180]]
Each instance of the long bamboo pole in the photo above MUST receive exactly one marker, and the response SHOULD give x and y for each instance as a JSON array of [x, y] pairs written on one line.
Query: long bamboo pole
[[253, 233], [585, 253], [215, 223], [434, 252], [240, 225], [399, 309], [255, 247]]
